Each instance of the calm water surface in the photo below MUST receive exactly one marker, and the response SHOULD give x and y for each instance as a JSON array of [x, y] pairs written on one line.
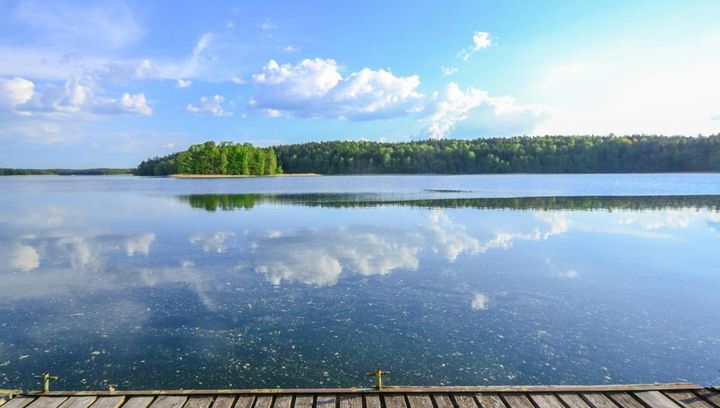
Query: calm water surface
[[299, 282]]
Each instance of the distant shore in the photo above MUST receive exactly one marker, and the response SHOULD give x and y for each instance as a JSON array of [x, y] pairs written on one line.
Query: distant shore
[[206, 176]]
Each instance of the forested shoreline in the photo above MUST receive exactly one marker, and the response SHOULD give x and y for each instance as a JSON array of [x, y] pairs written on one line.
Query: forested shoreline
[[64, 172], [547, 154], [523, 154], [225, 158]]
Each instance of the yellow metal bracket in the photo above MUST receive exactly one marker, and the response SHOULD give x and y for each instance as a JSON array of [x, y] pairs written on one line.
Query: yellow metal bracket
[[46, 378], [378, 373]]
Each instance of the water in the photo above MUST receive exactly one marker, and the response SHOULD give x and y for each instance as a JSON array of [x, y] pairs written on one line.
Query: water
[[313, 282]]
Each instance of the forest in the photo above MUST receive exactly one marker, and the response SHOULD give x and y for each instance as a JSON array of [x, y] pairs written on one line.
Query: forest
[[63, 172], [226, 158], [545, 154]]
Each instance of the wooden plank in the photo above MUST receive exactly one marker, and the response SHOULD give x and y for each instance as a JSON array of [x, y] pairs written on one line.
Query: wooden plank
[[198, 402], [419, 401], [573, 400], [284, 401], [78, 402], [325, 401], [350, 401], [465, 400], [47, 402], [244, 401], [656, 399], [263, 401], [224, 401], [517, 401], [395, 401], [304, 401], [688, 399], [490, 401], [598, 400], [711, 395], [169, 401], [442, 401], [372, 401], [545, 400], [625, 400], [108, 402], [18, 402], [398, 390], [138, 402]]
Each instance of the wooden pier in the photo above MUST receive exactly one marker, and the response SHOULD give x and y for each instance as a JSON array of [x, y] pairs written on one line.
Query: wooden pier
[[681, 395]]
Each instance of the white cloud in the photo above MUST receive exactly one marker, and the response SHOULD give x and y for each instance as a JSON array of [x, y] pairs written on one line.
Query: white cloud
[[315, 87], [139, 244], [16, 91], [451, 240], [238, 80], [74, 96], [291, 48], [480, 113], [448, 71], [23, 257], [268, 26], [209, 105], [212, 242], [320, 257], [190, 67], [77, 252], [480, 301], [127, 104], [481, 40], [182, 83]]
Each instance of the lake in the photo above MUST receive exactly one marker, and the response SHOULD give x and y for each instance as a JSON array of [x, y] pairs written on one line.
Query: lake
[[315, 281]]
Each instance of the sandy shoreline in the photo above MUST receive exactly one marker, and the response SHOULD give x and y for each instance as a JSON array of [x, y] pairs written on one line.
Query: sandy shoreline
[[204, 176]]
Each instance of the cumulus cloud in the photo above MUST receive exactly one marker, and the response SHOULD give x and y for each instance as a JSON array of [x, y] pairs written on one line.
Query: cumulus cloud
[[268, 26], [127, 104], [76, 250], [209, 105], [75, 95], [667, 219], [478, 112], [20, 257], [479, 301], [14, 92], [139, 244], [315, 87], [450, 239], [481, 40], [212, 242], [448, 71], [182, 83], [320, 257]]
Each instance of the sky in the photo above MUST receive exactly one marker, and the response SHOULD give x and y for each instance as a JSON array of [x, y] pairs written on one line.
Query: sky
[[107, 84]]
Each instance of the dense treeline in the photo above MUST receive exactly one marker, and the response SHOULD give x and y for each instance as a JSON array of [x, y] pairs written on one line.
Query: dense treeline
[[63, 172], [210, 158], [548, 154]]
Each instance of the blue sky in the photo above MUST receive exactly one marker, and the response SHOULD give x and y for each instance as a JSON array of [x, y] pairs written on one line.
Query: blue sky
[[85, 84]]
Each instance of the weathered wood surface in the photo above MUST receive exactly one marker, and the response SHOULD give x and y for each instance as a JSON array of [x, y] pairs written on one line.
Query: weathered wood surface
[[606, 396]]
